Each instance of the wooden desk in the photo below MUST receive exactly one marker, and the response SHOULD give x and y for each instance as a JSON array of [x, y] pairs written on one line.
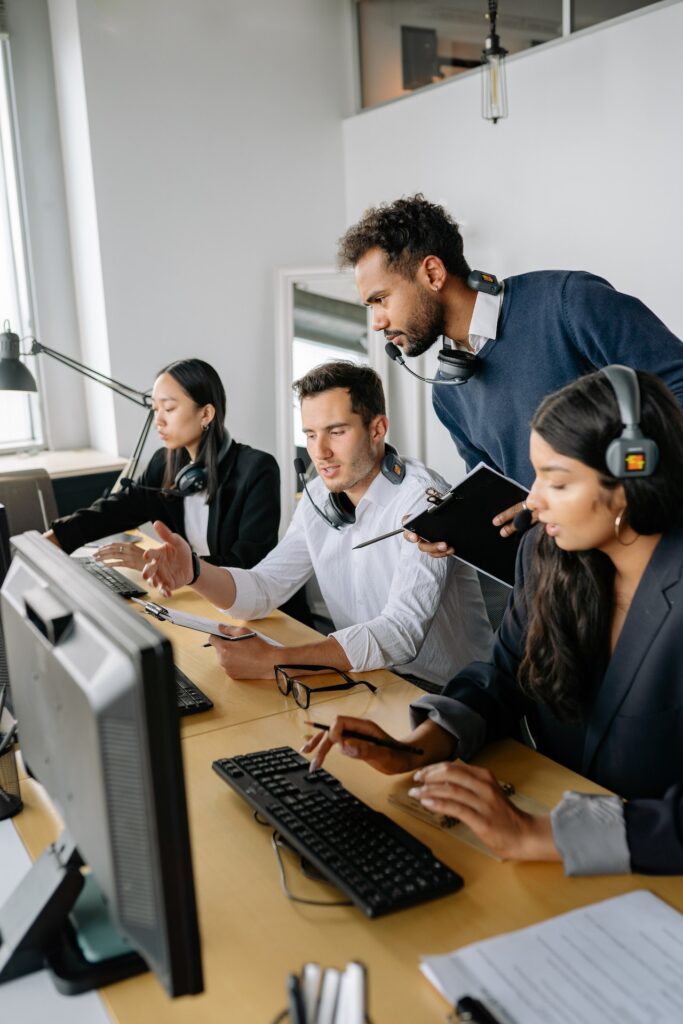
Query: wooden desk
[[252, 935], [235, 700]]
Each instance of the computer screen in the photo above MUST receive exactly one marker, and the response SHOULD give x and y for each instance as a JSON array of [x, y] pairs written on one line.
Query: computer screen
[[94, 696]]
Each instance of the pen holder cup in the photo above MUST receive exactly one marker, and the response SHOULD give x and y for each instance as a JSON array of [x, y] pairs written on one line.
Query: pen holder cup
[[10, 794]]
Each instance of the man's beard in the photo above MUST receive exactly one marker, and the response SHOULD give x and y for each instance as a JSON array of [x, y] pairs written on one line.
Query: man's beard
[[425, 325]]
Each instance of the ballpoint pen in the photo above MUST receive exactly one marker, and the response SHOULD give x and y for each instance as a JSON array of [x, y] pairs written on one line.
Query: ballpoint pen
[[352, 734], [471, 1011], [297, 1013], [383, 536]]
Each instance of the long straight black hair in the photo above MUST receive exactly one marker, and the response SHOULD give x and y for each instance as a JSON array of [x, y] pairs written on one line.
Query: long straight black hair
[[202, 384], [570, 593]]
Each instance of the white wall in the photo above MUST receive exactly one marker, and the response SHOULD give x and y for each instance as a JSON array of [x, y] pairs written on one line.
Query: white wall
[[215, 139], [585, 173]]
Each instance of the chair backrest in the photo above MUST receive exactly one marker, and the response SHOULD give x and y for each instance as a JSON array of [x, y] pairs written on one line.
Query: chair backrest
[[29, 499]]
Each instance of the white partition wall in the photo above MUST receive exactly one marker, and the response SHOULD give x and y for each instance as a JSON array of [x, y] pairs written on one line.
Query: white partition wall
[[585, 173]]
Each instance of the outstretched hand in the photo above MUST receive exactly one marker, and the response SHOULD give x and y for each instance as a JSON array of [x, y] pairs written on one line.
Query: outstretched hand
[[170, 566], [474, 796]]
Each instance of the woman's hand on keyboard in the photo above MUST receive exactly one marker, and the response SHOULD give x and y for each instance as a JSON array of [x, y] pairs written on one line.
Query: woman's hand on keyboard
[[129, 556]]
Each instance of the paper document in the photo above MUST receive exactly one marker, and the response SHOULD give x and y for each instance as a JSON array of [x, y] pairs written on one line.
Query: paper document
[[615, 962], [198, 622]]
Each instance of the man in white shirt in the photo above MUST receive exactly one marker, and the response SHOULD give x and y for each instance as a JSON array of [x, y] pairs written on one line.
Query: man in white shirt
[[391, 605]]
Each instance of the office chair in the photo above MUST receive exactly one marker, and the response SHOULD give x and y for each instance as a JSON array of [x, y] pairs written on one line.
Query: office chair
[[29, 499]]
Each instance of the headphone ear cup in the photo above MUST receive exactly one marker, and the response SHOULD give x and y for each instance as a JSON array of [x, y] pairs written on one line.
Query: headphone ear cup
[[393, 467], [339, 511], [190, 479], [626, 457], [454, 364]]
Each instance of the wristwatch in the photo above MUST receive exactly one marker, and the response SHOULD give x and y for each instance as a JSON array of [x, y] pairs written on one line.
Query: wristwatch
[[196, 568]]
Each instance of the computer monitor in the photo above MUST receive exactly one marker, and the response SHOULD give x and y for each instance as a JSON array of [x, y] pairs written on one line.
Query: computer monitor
[[94, 696]]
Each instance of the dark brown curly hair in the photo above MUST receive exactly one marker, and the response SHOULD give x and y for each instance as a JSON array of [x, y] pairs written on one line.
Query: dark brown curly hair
[[407, 230]]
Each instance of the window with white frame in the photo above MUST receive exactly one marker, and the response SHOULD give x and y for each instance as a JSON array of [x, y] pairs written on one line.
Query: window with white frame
[[20, 425]]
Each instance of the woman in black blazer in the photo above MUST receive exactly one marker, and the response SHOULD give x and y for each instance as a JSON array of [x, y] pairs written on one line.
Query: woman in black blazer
[[587, 665], [222, 496]]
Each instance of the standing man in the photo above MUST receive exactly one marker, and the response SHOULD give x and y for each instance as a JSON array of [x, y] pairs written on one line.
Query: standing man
[[392, 606], [541, 331]]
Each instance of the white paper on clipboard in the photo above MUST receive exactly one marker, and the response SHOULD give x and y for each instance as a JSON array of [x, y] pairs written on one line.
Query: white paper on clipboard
[[198, 622]]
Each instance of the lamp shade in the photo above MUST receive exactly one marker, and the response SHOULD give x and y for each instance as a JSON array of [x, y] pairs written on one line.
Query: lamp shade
[[14, 376]]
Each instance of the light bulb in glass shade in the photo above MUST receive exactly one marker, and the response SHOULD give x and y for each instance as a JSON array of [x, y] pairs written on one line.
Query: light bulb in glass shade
[[494, 100]]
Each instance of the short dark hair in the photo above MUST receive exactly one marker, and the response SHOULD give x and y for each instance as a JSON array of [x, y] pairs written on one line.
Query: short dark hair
[[201, 382], [407, 230], [362, 383]]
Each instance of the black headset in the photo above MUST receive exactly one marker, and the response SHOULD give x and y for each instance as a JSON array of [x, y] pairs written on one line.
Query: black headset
[[631, 454], [456, 366], [338, 510], [190, 479]]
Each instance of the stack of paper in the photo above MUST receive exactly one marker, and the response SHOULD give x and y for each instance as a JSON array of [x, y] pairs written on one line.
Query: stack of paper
[[616, 962]]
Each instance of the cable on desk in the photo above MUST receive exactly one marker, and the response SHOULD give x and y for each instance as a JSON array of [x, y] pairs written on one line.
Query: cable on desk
[[277, 841]]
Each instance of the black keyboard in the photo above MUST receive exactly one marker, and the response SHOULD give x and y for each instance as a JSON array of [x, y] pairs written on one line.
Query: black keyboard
[[191, 700], [116, 581], [374, 861]]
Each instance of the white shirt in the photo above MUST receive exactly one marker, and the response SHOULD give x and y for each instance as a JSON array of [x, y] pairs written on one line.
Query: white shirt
[[484, 322], [196, 513], [391, 604]]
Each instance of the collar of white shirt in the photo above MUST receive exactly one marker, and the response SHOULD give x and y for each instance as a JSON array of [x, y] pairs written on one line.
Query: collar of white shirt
[[380, 492], [484, 322]]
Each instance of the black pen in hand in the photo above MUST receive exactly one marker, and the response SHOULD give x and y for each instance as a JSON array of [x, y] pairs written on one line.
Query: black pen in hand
[[352, 734]]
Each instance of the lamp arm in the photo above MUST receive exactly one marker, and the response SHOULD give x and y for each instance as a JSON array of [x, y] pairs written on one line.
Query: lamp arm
[[124, 390]]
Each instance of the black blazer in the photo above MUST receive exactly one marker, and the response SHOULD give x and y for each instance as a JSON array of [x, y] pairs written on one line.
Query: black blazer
[[244, 515], [631, 738]]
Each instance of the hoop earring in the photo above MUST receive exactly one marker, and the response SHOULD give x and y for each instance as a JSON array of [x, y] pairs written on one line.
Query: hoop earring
[[205, 426], [621, 518]]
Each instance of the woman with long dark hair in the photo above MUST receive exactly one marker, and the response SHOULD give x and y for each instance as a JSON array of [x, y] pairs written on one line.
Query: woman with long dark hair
[[223, 497], [587, 664]]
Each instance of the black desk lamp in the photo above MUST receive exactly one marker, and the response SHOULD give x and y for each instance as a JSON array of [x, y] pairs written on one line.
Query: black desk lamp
[[15, 376]]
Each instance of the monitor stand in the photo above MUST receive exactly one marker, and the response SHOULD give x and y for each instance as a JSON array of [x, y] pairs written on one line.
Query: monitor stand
[[37, 928]]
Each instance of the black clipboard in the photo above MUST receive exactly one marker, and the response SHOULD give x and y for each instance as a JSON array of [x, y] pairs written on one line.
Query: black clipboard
[[463, 519]]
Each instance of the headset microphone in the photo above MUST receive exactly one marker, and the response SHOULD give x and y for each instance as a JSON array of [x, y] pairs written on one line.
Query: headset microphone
[[523, 520], [300, 468], [456, 365]]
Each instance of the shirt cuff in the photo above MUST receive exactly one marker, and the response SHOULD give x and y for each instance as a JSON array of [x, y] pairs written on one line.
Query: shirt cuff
[[361, 648], [468, 726], [590, 834], [249, 600]]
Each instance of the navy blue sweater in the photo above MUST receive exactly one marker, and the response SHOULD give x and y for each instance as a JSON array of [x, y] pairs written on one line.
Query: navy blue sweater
[[554, 326]]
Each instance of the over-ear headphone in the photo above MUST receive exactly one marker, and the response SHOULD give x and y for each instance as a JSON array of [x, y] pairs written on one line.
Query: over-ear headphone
[[456, 366], [190, 479], [631, 454], [338, 510]]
